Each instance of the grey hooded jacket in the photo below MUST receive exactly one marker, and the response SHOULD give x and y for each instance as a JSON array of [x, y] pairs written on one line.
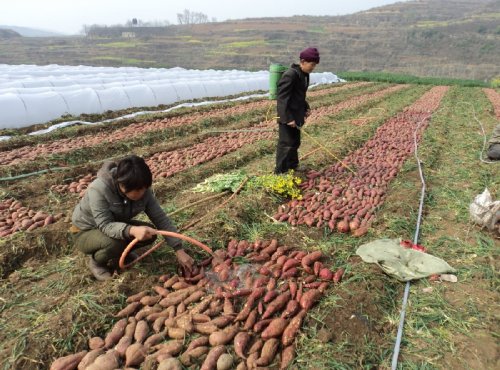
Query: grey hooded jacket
[[105, 208]]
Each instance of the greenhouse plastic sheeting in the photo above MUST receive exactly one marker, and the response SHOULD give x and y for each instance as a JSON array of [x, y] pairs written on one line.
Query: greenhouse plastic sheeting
[[37, 94]]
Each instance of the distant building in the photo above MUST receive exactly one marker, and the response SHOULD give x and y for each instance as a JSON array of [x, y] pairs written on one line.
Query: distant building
[[131, 32]]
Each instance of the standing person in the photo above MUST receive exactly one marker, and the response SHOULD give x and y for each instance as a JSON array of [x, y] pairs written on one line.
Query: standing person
[[293, 109], [102, 222]]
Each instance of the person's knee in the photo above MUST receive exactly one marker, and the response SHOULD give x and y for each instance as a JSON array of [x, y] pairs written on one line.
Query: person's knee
[[110, 252], [494, 152]]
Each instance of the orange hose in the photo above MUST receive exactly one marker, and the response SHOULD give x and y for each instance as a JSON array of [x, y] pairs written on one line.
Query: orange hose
[[131, 245]]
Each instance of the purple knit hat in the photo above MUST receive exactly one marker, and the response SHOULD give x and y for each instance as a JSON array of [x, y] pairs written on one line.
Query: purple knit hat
[[310, 55]]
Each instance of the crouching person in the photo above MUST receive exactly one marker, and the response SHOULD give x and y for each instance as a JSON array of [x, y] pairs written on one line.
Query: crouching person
[[494, 144], [102, 222]]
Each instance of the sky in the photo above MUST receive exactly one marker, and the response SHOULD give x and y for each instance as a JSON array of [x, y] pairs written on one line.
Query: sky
[[69, 16]]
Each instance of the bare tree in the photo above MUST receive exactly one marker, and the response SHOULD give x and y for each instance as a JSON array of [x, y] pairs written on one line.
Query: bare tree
[[189, 17]]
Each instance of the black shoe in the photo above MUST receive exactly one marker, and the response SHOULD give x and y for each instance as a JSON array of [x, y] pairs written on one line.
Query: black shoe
[[494, 152], [101, 273], [131, 257]]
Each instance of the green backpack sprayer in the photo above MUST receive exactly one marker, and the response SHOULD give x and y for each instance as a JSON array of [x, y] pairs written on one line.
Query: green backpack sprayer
[[275, 73]]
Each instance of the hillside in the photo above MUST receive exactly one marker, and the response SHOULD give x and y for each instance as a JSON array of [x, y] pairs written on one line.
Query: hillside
[[457, 38], [7, 33], [31, 32]]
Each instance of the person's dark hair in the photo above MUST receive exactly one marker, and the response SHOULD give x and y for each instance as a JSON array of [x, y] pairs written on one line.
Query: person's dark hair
[[133, 173]]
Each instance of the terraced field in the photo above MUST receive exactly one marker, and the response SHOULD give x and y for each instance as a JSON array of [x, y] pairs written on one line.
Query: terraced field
[[359, 148]]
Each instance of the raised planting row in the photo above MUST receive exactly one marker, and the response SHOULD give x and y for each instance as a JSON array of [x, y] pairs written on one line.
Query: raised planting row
[[30, 152], [351, 103], [244, 312], [15, 217], [494, 98], [344, 196], [165, 164]]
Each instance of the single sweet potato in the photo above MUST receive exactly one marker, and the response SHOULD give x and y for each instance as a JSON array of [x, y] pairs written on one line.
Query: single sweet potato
[[185, 322], [251, 360], [251, 320], [275, 328], [123, 344], [172, 347], [193, 356], [141, 331], [242, 366], [228, 307], [198, 342], [268, 352], [106, 361], [170, 364], [225, 336], [287, 356], [210, 362], [194, 297], [221, 321], [205, 328], [135, 354], [291, 309], [116, 333], [225, 362], [154, 340], [89, 358], [199, 318], [309, 298], [96, 342], [241, 341], [277, 304], [69, 362], [129, 310], [149, 300], [158, 324], [292, 328], [260, 325], [177, 333]]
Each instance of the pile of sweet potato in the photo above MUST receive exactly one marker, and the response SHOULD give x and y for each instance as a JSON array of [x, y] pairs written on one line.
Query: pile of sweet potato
[[15, 217], [344, 196], [76, 187], [494, 98], [241, 308]]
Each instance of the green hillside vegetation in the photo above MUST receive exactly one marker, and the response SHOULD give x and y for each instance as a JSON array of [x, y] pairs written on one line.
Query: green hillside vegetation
[[436, 38]]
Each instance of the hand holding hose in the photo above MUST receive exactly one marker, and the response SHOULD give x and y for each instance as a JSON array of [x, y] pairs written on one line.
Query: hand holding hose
[[142, 232]]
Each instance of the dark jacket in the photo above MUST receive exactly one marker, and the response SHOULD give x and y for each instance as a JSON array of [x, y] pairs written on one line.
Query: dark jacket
[[495, 136], [291, 100], [105, 208]]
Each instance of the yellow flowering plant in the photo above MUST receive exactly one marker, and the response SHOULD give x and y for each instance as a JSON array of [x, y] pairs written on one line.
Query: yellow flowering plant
[[285, 185]]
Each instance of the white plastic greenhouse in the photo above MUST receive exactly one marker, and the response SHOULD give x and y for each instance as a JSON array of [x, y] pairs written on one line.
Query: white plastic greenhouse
[[32, 94]]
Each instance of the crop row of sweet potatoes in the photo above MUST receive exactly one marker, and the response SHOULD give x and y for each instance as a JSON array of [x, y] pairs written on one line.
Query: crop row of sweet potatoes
[[241, 308], [345, 196], [351, 103], [29, 152], [165, 164], [16, 217]]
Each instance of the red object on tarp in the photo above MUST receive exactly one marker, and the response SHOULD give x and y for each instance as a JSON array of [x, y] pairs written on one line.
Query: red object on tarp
[[410, 245]]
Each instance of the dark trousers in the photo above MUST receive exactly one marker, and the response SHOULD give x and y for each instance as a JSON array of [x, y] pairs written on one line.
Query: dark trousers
[[103, 248], [287, 156]]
